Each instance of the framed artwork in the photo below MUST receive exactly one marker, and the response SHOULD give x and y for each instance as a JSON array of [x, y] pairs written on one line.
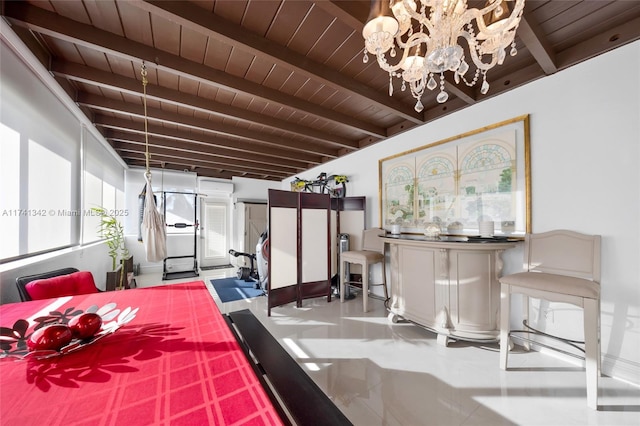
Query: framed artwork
[[456, 183]]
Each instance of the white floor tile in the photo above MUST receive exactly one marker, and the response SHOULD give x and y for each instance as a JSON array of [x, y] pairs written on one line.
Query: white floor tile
[[380, 373]]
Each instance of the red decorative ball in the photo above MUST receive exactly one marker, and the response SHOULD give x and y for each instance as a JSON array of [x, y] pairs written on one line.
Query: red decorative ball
[[52, 337], [85, 325]]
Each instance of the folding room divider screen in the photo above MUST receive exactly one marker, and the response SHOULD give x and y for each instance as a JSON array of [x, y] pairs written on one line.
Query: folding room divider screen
[[299, 247]]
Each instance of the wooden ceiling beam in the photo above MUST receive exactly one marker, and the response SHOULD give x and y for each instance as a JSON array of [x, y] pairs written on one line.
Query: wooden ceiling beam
[[155, 114], [107, 80], [205, 153], [351, 13], [200, 171], [167, 155], [211, 25], [517, 78], [242, 147], [54, 25], [601, 43], [531, 35]]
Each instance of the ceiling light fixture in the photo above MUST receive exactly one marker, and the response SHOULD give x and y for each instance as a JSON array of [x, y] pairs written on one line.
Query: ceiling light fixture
[[427, 33]]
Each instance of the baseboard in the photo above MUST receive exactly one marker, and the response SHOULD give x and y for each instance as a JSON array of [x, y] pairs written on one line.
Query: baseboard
[[152, 269], [211, 268], [621, 369]]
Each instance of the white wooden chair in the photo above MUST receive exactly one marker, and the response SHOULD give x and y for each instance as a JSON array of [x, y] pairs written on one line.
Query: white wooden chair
[[372, 252], [561, 266]]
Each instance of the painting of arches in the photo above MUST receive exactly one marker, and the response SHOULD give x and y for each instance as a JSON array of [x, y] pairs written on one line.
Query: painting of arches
[[480, 175], [487, 179], [399, 193], [436, 182]]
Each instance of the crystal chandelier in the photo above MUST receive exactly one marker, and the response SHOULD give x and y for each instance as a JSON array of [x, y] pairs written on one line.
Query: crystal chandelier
[[427, 33]]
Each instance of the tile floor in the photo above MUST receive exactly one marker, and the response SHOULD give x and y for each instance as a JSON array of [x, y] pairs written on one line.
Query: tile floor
[[379, 373]]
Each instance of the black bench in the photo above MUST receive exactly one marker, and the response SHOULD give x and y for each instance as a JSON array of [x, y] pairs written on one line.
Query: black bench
[[306, 403]]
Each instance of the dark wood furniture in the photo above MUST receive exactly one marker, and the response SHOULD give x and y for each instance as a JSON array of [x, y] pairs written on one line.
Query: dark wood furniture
[[306, 403]]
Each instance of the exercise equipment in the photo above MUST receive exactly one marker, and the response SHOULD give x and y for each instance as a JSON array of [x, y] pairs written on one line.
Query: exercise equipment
[[246, 273], [258, 263], [193, 272], [262, 259]]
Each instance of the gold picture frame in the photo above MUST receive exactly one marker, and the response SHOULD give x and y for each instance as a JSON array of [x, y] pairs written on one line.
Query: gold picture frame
[[455, 183]]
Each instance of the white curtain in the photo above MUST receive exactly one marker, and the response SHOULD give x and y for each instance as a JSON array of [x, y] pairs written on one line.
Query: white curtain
[[154, 234]]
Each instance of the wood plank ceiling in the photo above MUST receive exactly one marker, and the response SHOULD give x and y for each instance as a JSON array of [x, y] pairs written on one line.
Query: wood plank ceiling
[[269, 88]]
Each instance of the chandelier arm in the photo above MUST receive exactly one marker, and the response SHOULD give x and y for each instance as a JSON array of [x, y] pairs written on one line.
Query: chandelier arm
[[488, 33], [422, 19], [414, 14], [384, 64], [507, 24], [485, 66], [490, 7], [414, 40]]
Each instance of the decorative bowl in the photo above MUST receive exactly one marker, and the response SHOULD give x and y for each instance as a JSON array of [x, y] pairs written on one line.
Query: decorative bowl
[[14, 340], [432, 230]]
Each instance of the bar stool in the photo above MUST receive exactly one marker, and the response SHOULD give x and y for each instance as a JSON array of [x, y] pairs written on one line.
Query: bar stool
[[372, 252], [562, 266]]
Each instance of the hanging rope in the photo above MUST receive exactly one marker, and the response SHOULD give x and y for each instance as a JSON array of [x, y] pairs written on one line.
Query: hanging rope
[[143, 73], [152, 227], [143, 193]]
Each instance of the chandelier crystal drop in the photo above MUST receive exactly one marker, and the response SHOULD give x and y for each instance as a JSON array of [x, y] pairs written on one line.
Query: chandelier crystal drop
[[431, 37]]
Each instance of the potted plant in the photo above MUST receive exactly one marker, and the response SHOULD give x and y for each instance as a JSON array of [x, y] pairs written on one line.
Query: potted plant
[[111, 229]]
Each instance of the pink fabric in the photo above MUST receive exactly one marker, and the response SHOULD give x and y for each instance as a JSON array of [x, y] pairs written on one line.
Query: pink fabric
[[175, 363], [63, 285]]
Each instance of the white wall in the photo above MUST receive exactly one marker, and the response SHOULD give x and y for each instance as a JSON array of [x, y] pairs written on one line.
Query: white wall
[[585, 138], [252, 189], [247, 190], [93, 258]]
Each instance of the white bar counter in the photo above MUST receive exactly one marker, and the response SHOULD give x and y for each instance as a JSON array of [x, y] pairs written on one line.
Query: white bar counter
[[448, 285]]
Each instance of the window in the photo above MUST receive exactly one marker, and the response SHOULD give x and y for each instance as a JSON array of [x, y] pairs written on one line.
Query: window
[[52, 168], [10, 200], [92, 198], [49, 210], [103, 186]]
